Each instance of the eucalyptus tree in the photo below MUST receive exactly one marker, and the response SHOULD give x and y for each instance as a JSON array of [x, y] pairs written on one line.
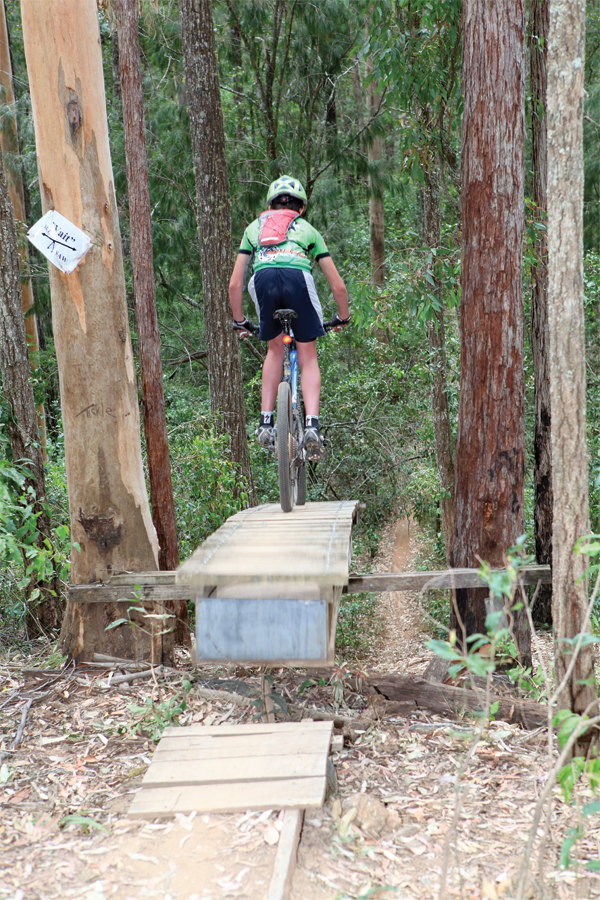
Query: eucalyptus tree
[[490, 443], [153, 398], [566, 54], [214, 226], [9, 146], [109, 510]]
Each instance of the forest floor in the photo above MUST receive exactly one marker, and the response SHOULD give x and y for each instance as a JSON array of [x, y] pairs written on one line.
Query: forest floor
[[442, 810]]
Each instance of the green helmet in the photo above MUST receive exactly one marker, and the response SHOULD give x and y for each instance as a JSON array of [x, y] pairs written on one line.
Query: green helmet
[[286, 185]]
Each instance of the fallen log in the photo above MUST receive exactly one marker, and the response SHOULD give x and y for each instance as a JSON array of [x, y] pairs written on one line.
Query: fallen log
[[445, 700]]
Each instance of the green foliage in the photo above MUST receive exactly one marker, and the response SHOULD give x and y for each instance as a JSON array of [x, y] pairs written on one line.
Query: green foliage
[[152, 717], [84, 822], [206, 482], [25, 557]]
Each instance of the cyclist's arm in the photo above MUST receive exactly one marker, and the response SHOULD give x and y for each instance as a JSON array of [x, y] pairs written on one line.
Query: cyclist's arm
[[340, 294], [236, 286]]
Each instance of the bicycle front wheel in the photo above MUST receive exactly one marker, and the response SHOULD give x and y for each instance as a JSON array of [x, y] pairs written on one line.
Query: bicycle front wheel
[[288, 484]]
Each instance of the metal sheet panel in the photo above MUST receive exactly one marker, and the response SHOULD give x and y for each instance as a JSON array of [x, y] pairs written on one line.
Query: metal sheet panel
[[259, 630]]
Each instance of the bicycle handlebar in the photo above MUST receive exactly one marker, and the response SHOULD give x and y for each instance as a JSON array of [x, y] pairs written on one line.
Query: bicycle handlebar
[[251, 329]]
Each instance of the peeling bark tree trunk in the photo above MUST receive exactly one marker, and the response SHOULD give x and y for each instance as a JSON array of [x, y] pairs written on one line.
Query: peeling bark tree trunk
[[142, 267], [9, 146], [214, 226], [538, 49], [566, 48], [23, 425], [490, 441], [442, 428], [108, 502]]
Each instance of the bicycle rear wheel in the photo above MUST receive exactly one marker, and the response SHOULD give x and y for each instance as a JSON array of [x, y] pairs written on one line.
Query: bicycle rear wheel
[[288, 484], [301, 498]]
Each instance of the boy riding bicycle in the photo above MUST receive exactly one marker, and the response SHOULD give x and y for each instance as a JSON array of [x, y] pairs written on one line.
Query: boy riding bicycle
[[284, 245]]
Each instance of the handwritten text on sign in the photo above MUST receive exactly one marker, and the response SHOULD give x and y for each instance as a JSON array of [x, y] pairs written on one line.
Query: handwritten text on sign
[[61, 242]]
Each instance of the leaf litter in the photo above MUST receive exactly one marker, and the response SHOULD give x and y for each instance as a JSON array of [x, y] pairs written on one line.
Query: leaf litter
[[415, 796]]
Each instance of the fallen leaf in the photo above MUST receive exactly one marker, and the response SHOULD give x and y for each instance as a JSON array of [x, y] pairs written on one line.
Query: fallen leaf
[[271, 835], [489, 890], [20, 795]]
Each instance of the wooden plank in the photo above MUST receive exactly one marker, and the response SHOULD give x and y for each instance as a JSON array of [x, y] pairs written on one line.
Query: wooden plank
[[232, 630], [144, 578], [267, 545], [287, 852], [306, 730], [165, 773], [257, 747], [296, 793], [159, 593], [442, 580]]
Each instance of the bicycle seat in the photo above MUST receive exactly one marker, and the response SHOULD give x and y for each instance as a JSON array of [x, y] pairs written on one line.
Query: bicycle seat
[[283, 315]]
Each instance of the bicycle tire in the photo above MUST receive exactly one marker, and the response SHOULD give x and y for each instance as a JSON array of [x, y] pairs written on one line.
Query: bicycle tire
[[287, 484], [301, 498]]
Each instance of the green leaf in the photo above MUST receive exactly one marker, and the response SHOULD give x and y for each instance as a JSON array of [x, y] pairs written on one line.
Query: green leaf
[[116, 623], [593, 865], [443, 649], [86, 823], [589, 809], [573, 835], [279, 700], [308, 682]]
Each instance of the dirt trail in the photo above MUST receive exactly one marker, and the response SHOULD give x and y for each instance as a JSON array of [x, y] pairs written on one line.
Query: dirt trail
[[402, 643]]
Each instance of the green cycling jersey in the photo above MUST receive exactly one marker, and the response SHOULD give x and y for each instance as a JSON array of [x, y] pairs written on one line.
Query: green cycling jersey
[[303, 245]]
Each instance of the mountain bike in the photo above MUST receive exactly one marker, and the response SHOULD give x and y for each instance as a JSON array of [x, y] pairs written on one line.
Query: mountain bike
[[288, 440]]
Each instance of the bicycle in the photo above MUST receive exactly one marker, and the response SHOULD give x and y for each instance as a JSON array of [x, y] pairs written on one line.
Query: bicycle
[[288, 441]]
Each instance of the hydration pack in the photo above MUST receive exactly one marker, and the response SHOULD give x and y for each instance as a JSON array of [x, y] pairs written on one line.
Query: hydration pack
[[274, 225]]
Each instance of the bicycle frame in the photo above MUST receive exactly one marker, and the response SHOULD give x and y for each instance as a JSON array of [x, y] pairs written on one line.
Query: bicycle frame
[[291, 374]]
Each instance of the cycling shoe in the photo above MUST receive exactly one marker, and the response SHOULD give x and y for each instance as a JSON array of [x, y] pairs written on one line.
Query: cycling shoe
[[265, 436], [314, 445]]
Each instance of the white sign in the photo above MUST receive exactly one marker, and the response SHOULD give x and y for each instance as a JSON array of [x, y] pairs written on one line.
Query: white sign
[[63, 243]]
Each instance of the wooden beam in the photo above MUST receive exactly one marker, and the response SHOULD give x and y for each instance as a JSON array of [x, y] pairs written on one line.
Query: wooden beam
[[108, 593], [161, 587], [287, 850], [441, 580]]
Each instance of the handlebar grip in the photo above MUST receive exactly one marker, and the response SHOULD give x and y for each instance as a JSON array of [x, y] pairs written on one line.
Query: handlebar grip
[[247, 328]]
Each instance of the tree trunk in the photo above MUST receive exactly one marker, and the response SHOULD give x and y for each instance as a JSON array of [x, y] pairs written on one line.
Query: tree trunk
[[23, 429], [9, 146], [108, 502], [442, 428], [566, 47], [214, 227], [376, 215], [490, 440], [142, 267], [538, 48]]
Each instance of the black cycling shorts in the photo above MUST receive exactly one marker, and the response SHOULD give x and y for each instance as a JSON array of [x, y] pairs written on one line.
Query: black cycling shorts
[[285, 288]]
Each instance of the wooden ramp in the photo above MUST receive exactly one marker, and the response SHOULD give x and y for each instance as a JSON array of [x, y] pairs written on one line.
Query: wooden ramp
[[268, 584], [236, 768]]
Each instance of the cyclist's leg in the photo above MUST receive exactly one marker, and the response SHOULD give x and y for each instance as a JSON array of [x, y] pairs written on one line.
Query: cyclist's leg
[[272, 372], [311, 376]]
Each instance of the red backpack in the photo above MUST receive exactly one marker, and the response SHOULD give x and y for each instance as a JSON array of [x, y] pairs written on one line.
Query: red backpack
[[274, 225]]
